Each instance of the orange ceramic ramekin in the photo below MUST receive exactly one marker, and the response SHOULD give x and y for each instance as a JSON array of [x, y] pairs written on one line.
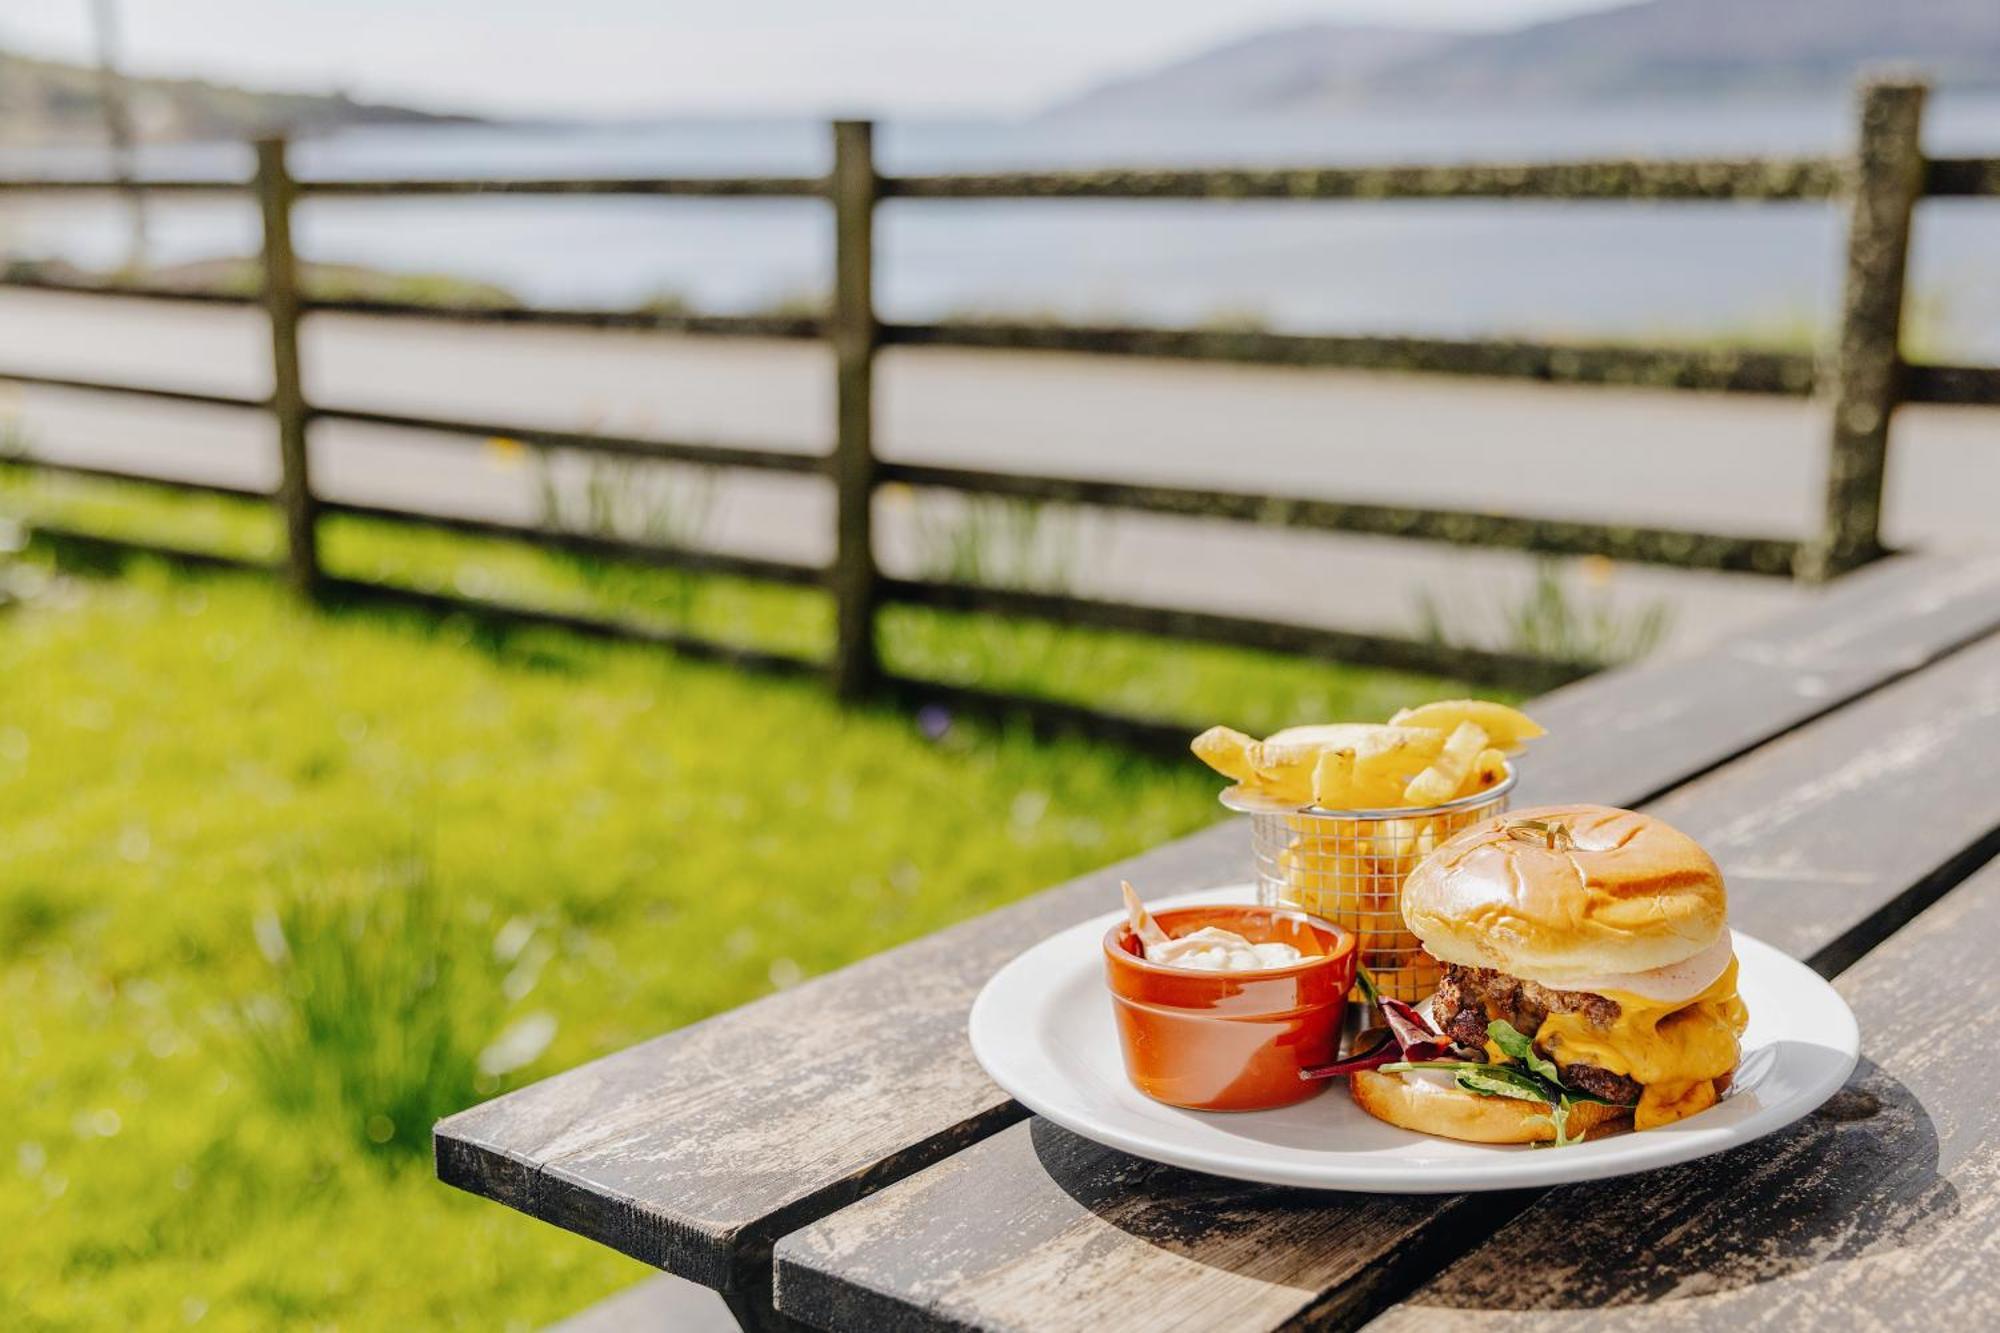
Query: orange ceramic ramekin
[[1231, 1041]]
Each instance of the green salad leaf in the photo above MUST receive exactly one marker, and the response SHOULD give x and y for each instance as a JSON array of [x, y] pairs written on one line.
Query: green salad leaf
[[1492, 1083], [1527, 1076], [1509, 1039], [1496, 1080]]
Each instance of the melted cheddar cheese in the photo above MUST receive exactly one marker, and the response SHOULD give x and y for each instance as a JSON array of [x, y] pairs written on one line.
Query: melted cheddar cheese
[[1675, 1051]]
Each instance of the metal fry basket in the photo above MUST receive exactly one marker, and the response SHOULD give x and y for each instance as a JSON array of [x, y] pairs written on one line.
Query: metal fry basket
[[1348, 866]]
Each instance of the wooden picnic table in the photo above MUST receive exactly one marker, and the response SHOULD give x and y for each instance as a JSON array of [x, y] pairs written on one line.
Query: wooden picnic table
[[832, 1156]]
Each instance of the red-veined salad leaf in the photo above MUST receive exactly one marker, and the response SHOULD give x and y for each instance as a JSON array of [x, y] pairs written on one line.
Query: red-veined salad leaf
[[1410, 1036], [1411, 1042]]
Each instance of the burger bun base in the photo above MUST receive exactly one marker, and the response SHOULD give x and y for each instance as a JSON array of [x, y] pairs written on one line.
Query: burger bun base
[[1440, 1108]]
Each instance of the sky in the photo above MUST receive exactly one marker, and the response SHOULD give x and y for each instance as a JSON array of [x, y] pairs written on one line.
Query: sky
[[636, 57]]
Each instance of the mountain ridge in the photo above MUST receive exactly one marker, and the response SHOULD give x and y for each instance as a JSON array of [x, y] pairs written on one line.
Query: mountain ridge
[[50, 101], [1658, 48]]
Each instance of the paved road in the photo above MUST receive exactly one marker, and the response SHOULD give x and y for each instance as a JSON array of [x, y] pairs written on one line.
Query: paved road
[[1727, 464]]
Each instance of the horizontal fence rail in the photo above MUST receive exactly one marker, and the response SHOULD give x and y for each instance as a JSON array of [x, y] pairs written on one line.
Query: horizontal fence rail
[[1768, 179], [1965, 386], [1663, 546], [125, 476], [641, 320], [160, 393], [142, 291], [140, 185], [1799, 179], [590, 544], [679, 187], [634, 321], [1722, 370], [1863, 378], [1962, 177], [740, 457], [714, 187]]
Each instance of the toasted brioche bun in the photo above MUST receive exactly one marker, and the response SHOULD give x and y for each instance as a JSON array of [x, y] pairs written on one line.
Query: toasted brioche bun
[[1629, 894], [1435, 1107]]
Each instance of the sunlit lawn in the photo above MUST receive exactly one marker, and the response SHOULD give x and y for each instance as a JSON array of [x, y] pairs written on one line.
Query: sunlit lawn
[[272, 881], [1195, 683]]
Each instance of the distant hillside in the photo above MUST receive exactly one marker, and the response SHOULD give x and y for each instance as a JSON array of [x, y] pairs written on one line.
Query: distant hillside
[[46, 101], [1263, 71], [1708, 48]]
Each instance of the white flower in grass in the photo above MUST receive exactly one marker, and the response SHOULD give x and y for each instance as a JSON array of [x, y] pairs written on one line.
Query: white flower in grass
[[520, 1044]]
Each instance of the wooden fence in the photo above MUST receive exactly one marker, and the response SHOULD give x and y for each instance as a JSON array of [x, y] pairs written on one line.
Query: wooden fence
[[1862, 380]]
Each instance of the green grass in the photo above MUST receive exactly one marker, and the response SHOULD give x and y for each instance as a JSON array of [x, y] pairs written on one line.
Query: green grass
[[1195, 683], [179, 756], [277, 886]]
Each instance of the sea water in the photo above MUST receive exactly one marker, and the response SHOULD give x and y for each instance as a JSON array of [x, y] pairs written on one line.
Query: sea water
[[1446, 268]]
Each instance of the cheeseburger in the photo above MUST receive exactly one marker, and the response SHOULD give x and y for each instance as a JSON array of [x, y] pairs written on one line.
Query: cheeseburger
[[1600, 937]]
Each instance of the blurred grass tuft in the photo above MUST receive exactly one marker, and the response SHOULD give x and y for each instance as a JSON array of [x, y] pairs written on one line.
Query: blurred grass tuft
[[1552, 618], [384, 1003]]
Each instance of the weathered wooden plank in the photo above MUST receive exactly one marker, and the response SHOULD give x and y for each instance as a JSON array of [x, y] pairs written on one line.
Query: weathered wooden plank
[[1945, 177], [141, 291], [1797, 179], [1830, 837], [1805, 178], [1667, 719], [1458, 527], [29, 463], [1039, 1230], [695, 187], [619, 446], [586, 317], [853, 577], [297, 505], [155, 185], [190, 397], [1957, 385], [1716, 369], [1888, 181], [695, 1150], [1879, 1211]]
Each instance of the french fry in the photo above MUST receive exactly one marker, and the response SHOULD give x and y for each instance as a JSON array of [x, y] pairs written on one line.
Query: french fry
[[1441, 781], [1286, 761], [1506, 728], [1350, 867], [1420, 757], [1295, 745], [1332, 775], [1487, 771], [1329, 876], [1403, 842], [1387, 759], [1372, 768], [1225, 751]]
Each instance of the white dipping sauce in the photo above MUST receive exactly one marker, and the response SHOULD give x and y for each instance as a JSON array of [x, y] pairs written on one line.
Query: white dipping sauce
[[1213, 949]]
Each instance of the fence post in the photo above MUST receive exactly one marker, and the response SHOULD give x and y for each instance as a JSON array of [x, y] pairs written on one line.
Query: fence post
[[275, 192], [1888, 179], [853, 332]]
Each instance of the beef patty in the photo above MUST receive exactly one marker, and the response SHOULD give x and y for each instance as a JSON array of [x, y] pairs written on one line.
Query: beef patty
[[1468, 996]]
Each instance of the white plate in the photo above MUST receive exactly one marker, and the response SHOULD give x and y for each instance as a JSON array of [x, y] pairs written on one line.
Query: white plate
[[1043, 1029]]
